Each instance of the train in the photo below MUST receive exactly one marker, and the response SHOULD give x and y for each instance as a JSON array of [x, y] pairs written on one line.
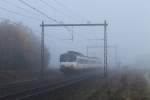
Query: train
[[73, 61]]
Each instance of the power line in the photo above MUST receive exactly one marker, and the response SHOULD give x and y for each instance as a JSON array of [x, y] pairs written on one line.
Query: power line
[[17, 13], [40, 12], [54, 8], [14, 5], [50, 6], [64, 6]]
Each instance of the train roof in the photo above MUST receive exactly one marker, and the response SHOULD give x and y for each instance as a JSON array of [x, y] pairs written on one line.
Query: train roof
[[75, 53], [78, 54], [88, 57]]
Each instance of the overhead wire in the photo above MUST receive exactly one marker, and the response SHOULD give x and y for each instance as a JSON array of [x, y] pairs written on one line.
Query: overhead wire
[[66, 7], [44, 2], [16, 6], [57, 10], [37, 10], [52, 7], [17, 13], [42, 13]]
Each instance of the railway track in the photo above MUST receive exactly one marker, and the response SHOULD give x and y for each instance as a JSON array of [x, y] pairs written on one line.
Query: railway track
[[40, 87], [21, 86]]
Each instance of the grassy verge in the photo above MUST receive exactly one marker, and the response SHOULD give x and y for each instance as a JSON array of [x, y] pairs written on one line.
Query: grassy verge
[[128, 85], [18, 76], [13, 76]]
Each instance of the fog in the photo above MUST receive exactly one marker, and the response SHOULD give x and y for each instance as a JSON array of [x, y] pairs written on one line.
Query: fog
[[129, 22]]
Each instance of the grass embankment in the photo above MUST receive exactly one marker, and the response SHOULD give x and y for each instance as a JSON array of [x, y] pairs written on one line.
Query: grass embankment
[[13, 76], [18, 76], [129, 85], [147, 77]]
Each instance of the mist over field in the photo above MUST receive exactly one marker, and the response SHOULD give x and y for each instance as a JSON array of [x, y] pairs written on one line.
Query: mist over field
[[128, 25]]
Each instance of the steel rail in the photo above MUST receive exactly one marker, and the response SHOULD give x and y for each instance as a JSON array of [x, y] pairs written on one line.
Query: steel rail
[[26, 93]]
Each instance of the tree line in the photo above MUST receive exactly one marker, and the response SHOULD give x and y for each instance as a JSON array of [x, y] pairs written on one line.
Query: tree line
[[20, 48]]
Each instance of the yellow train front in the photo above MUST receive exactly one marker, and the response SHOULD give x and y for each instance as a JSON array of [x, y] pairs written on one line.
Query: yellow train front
[[72, 62]]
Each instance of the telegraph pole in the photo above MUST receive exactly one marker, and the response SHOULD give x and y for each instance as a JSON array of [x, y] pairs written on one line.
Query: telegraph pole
[[105, 48], [87, 51], [42, 51], [116, 55]]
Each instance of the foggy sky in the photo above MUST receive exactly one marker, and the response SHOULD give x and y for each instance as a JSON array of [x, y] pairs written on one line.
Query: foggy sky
[[129, 23]]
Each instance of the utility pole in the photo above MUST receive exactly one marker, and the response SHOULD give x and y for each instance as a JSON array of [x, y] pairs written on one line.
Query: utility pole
[[116, 55], [42, 51], [105, 48], [87, 51]]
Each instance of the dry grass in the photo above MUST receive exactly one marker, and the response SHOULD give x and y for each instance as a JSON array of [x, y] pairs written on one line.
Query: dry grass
[[128, 85], [12, 76]]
